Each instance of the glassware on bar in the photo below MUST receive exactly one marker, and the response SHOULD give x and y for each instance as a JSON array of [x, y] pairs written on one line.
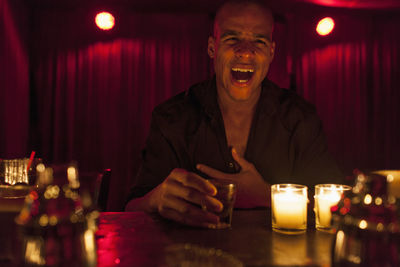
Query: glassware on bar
[[226, 193], [289, 208], [56, 224], [393, 181], [367, 224], [326, 196]]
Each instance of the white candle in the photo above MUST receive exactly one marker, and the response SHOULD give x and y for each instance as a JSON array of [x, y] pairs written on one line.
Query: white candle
[[326, 196], [290, 210], [323, 204]]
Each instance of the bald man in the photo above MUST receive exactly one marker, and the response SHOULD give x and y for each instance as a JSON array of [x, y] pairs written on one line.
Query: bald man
[[237, 126]]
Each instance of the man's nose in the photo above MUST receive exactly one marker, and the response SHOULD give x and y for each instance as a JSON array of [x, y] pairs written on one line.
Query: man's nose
[[244, 50]]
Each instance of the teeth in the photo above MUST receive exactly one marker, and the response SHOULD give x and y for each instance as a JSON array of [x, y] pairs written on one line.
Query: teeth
[[243, 81], [242, 70]]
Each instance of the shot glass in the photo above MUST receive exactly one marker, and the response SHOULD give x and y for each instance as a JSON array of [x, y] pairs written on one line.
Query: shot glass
[[326, 196], [289, 208], [226, 193]]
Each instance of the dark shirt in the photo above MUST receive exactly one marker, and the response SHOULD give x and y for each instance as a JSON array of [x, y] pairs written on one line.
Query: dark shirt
[[286, 142]]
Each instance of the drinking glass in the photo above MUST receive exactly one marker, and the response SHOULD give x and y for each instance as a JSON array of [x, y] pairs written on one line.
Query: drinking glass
[[226, 193]]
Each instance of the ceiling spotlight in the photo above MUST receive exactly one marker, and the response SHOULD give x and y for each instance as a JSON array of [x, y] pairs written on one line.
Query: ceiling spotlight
[[325, 26], [105, 21]]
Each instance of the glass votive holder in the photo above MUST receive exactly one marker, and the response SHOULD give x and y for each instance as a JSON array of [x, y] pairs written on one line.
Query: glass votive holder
[[326, 196], [289, 208], [393, 180]]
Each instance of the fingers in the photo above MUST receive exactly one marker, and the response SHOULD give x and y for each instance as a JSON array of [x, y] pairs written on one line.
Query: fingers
[[182, 211], [187, 198], [190, 194], [192, 180], [213, 172], [244, 164]]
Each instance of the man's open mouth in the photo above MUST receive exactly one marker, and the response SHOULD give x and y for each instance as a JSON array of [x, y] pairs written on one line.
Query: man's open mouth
[[242, 75]]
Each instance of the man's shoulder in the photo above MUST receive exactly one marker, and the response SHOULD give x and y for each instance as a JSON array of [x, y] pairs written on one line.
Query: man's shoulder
[[285, 100], [290, 101], [289, 106], [171, 105]]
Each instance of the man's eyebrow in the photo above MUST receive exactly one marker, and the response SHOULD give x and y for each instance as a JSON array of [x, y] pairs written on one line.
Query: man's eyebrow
[[229, 33], [262, 36], [235, 33]]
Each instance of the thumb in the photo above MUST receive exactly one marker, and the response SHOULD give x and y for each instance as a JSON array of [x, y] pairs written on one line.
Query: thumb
[[244, 164]]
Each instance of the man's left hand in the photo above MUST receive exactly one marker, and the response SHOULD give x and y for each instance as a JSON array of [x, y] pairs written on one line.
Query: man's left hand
[[252, 192]]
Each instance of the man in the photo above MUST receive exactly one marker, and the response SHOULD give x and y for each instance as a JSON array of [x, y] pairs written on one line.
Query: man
[[237, 126]]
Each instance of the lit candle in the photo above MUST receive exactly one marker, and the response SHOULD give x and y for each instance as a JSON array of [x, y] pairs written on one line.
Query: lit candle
[[289, 208], [326, 196], [393, 179]]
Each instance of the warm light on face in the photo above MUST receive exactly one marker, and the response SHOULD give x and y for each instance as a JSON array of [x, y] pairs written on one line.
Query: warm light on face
[[105, 21], [325, 26], [242, 51]]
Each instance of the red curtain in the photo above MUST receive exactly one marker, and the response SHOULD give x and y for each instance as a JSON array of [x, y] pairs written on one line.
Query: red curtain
[[92, 92], [353, 77], [14, 80], [94, 96]]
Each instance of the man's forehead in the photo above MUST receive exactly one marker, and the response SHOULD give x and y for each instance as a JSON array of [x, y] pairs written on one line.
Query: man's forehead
[[233, 15], [230, 32]]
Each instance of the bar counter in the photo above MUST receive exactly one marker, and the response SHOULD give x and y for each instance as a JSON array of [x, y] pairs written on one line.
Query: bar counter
[[139, 239]]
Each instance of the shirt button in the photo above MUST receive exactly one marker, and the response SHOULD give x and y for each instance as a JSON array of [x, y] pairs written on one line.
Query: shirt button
[[231, 165]]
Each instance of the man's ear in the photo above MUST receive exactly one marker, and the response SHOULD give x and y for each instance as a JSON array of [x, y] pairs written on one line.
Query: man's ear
[[272, 50], [211, 47]]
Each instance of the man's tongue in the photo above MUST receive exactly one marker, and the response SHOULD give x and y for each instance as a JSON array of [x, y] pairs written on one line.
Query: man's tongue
[[241, 76]]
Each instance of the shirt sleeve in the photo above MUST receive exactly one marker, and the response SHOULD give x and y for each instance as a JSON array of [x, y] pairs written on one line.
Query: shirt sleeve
[[158, 160]]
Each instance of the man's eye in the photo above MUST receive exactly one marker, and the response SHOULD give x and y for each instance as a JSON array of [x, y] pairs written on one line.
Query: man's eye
[[262, 42], [231, 39]]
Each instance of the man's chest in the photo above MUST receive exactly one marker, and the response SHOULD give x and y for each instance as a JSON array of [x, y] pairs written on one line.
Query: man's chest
[[237, 135], [264, 143]]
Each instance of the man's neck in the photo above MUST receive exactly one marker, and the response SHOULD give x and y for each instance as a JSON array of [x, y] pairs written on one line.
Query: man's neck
[[236, 108], [237, 116]]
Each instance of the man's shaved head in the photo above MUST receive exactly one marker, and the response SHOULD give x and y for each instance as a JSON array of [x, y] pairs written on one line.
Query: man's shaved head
[[242, 49], [234, 6]]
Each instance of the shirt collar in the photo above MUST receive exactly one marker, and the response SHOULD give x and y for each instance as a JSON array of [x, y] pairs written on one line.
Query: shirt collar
[[269, 98], [207, 97]]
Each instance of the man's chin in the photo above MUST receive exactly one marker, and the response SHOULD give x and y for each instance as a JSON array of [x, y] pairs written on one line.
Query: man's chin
[[239, 91], [241, 94]]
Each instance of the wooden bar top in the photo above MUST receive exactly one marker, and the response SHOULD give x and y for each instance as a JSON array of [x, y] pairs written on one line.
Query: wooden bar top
[[139, 239]]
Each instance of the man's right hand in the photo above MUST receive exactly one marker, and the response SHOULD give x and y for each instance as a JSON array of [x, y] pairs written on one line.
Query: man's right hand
[[184, 197]]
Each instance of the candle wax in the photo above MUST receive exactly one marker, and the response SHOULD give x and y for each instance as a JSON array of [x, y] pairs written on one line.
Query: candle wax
[[323, 204], [290, 210]]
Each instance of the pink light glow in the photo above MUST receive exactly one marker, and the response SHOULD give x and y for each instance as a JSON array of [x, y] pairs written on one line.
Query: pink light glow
[[325, 26], [105, 20]]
